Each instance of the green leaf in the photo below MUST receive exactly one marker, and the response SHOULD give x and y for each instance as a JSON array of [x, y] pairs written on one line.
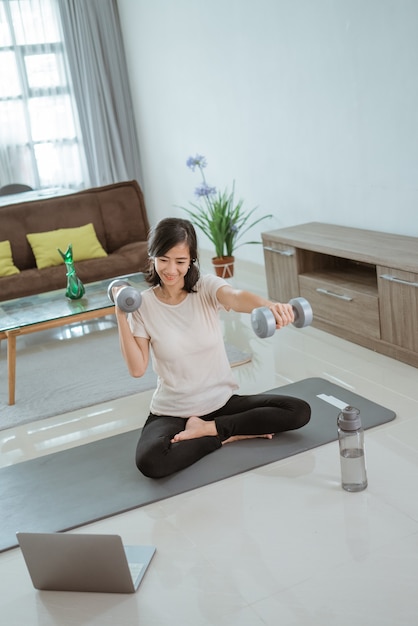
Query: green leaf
[[223, 220]]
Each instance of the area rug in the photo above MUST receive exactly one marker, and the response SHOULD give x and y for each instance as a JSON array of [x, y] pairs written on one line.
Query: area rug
[[71, 488], [58, 376]]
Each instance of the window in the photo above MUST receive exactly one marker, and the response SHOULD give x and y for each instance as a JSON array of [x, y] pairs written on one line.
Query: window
[[40, 143]]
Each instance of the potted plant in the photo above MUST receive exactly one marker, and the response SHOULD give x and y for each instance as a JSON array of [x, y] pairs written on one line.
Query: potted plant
[[221, 218]]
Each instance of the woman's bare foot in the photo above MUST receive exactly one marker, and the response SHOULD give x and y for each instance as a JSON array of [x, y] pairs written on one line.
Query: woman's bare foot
[[195, 428], [239, 437]]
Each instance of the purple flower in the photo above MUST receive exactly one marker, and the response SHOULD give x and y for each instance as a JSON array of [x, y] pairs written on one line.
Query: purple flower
[[204, 190], [196, 161]]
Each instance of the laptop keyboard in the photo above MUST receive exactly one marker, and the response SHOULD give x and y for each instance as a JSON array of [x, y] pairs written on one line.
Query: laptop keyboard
[[135, 569]]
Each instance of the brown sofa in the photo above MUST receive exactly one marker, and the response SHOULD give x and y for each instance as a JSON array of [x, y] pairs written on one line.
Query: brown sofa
[[120, 220]]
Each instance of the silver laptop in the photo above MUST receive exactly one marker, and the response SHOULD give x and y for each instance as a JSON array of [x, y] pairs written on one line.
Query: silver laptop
[[72, 562]]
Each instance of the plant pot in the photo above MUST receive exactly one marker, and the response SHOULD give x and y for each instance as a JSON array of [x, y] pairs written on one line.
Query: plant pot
[[224, 266]]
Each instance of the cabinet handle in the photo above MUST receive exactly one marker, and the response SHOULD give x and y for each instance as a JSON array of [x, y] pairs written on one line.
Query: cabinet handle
[[289, 252], [393, 279], [334, 295]]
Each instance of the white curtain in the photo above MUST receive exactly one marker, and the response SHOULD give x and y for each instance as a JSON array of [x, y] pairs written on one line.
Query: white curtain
[[66, 115], [97, 62], [40, 141]]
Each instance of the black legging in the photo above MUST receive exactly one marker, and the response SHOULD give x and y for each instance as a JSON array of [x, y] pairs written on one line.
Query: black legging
[[259, 414]]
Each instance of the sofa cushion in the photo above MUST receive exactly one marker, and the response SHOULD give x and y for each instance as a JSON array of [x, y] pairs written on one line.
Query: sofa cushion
[[38, 216], [83, 239], [127, 260], [7, 267], [122, 226]]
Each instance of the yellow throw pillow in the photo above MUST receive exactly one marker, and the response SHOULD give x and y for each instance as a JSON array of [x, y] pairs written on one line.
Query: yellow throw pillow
[[84, 240], [7, 267]]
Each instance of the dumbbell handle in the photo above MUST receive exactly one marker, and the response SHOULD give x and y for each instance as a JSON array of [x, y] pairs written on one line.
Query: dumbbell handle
[[264, 323], [127, 298]]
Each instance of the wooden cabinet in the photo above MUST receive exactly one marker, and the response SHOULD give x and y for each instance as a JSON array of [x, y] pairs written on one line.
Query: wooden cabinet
[[362, 284]]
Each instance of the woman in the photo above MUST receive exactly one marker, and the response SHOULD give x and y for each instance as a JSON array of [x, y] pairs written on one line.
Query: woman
[[194, 409]]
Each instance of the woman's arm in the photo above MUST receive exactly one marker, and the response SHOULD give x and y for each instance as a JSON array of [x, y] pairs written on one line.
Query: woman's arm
[[135, 350], [245, 301]]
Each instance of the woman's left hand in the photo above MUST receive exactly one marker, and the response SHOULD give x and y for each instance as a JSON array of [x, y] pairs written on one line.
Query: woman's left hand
[[283, 314]]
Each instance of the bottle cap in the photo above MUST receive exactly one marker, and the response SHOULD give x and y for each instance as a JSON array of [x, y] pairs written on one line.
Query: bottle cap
[[349, 418]]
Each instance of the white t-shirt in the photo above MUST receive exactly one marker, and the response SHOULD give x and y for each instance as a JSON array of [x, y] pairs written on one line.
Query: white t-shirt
[[187, 350]]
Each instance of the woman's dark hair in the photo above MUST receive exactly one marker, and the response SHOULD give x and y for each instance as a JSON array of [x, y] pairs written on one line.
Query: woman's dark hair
[[169, 232]]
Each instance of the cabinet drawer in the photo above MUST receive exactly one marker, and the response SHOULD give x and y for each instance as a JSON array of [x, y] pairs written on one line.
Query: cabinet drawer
[[281, 270], [336, 304], [398, 291]]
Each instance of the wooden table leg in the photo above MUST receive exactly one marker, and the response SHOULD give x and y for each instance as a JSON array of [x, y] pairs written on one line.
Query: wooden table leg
[[11, 362], [32, 328]]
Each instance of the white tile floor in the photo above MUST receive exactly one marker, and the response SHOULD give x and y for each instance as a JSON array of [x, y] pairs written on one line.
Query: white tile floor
[[283, 544]]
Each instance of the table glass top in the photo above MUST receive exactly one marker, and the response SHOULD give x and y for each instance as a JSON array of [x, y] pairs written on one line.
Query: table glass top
[[52, 305]]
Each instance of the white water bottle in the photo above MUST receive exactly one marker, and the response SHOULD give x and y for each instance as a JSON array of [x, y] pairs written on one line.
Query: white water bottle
[[352, 457]]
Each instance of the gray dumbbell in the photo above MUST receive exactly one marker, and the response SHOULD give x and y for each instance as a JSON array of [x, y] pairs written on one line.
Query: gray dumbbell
[[128, 298], [264, 323]]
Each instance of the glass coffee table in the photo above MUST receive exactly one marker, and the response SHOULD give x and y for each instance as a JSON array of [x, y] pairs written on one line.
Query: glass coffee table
[[52, 309]]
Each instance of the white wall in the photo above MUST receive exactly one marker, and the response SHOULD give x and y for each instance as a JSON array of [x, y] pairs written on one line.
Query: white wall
[[310, 105]]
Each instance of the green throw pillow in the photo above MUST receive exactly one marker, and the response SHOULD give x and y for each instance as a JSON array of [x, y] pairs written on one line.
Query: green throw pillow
[[83, 239], [7, 267]]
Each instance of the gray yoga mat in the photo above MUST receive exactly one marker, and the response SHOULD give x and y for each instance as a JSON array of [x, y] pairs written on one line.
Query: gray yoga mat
[[67, 489]]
